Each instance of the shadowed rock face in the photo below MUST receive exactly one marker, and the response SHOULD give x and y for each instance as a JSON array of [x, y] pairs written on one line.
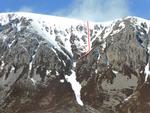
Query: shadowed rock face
[[117, 85], [111, 74]]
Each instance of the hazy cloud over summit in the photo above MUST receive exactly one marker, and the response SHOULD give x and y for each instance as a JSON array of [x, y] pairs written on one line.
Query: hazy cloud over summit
[[97, 10], [25, 9]]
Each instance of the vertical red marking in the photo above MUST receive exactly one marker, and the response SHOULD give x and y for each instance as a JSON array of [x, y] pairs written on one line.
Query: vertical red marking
[[88, 34], [89, 44]]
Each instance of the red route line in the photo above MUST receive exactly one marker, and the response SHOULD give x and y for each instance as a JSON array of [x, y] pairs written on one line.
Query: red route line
[[89, 43], [88, 34]]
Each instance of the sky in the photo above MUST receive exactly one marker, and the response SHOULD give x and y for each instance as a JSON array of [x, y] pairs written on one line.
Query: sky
[[95, 10]]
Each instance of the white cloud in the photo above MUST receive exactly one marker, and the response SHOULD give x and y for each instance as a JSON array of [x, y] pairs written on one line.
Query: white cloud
[[97, 10], [25, 9]]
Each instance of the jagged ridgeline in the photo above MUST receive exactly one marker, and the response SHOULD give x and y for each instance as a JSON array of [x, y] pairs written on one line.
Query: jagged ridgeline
[[45, 67]]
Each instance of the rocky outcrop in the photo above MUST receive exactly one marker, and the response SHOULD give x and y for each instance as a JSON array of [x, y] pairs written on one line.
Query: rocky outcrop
[[36, 57], [31, 69], [114, 83]]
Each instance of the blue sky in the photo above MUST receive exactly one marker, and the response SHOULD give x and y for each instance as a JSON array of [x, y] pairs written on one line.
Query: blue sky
[[98, 10]]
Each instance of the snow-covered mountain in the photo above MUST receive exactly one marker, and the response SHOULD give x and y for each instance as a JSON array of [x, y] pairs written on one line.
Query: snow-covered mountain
[[45, 67]]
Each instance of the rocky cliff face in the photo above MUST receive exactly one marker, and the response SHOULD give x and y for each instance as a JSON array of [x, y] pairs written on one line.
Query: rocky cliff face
[[38, 75], [115, 82]]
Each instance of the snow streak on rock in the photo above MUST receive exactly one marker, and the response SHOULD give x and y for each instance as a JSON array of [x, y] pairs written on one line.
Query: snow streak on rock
[[76, 86], [147, 72]]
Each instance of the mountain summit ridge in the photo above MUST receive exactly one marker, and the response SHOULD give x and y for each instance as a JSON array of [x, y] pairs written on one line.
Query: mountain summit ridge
[[57, 18], [42, 23]]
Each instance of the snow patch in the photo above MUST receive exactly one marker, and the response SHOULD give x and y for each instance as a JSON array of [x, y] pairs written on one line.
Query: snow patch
[[62, 80], [33, 81], [115, 71], [48, 72], [147, 72], [141, 72], [104, 46], [126, 99], [76, 86], [74, 64], [96, 71], [122, 25], [57, 73], [30, 66], [148, 49], [12, 68], [18, 27], [2, 65], [108, 30], [64, 63], [116, 31], [9, 45], [98, 56]]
